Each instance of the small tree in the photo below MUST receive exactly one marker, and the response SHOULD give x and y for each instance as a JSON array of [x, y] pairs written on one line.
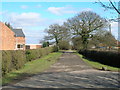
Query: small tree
[[45, 44], [8, 25], [104, 38], [109, 40], [57, 33], [64, 45]]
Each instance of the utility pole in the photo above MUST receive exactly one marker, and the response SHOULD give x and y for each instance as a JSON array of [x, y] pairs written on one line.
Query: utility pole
[[110, 28], [110, 20]]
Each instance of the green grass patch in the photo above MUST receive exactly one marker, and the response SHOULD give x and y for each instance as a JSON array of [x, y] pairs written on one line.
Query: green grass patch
[[67, 50], [98, 65], [32, 67]]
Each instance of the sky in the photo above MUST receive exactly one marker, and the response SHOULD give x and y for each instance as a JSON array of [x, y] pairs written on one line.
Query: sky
[[34, 17]]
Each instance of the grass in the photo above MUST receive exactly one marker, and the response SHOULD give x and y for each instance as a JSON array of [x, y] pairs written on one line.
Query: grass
[[67, 50], [98, 65], [32, 67]]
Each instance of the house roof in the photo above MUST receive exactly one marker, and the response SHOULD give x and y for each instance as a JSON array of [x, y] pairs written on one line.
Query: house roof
[[18, 32]]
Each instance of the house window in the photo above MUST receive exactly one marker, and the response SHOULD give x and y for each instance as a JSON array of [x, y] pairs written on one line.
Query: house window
[[19, 46], [27, 46]]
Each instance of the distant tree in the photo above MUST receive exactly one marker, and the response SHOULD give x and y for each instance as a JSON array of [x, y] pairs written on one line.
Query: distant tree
[[109, 40], [104, 38], [84, 25], [8, 25], [98, 38], [56, 32], [45, 44]]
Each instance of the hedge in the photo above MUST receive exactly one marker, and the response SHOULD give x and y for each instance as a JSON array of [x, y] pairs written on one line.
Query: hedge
[[104, 57], [37, 53], [12, 60], [15, 59]]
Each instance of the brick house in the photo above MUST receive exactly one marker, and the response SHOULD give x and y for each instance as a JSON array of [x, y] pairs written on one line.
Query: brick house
[[19, 39], [11, 39]]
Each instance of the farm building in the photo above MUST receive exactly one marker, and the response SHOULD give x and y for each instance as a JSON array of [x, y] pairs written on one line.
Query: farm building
[[11, 39]]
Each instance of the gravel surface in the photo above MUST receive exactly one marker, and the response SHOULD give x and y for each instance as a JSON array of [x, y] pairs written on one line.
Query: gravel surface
[[70, 72]]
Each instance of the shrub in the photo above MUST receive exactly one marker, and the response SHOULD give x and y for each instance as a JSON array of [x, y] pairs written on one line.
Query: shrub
[[37, 53], [64, 45], [15, 59], [55, 49], [6, 62], [18, 59], [12, 60], [31, 54], [104, 57], [45, 44]]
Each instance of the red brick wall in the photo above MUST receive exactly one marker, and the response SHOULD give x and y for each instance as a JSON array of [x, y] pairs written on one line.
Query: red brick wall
[[34, 46], [7, 38], [20, 40], [38, 46]]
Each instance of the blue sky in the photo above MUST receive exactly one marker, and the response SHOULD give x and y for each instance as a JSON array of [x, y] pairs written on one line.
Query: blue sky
[[34, 17]]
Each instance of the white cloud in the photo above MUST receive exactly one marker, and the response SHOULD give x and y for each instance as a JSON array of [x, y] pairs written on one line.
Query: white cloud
[[25, 19], [24, 6], [61, 10], [22, 20], [3, 12]]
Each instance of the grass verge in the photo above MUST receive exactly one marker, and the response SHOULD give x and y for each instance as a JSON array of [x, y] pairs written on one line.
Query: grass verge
[[32, 68], [98, 65]]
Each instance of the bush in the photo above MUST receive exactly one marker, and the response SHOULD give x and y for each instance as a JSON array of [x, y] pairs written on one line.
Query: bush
[[104, 57], [31, 54], [14, 60], [6, 62], [64, 45], [37, 53], [55, 49], [18, 59], [45, 44]]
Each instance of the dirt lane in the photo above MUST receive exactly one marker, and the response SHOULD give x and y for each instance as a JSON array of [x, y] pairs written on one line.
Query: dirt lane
[[70, 72]]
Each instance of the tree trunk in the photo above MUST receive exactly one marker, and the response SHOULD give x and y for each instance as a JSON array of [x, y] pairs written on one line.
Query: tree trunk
[[56, 39], [85, 41]]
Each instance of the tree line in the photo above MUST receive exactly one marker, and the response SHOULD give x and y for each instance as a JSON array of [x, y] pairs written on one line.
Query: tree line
[[85, 30]]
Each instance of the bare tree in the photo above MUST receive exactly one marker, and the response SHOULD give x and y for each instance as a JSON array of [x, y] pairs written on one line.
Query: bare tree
[[111, 5], [84, 25], [56, 32]]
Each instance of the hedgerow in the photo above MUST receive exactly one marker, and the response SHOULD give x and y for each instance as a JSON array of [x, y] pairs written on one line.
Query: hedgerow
[[105, 57], [16, 59]]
